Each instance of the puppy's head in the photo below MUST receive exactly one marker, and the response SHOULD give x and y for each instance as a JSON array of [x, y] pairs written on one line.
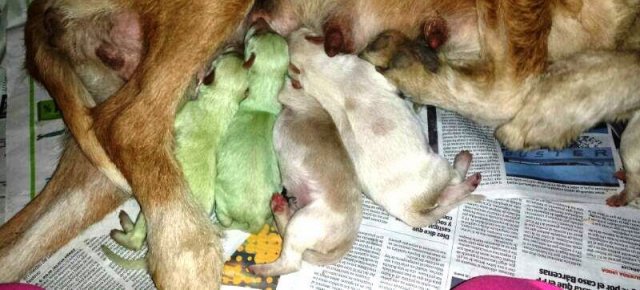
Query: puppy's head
[[265, 50], [228, 74], [304, 43]]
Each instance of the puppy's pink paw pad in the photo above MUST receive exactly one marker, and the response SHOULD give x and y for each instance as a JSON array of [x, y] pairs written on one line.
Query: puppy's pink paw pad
[[474, 180], [278, 203]]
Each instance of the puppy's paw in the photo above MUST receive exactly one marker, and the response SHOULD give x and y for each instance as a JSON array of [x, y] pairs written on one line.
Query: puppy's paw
[[278, 204], [294, 73], [272, 269], [380, 51], [473, 181], [462, 161], [260, 269], [132, 235]]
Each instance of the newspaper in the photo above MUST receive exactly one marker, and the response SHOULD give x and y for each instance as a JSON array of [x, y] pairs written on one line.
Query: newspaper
[[526, 227]]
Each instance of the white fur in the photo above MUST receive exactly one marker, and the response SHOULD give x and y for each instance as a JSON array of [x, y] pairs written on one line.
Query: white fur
[[395, 166], [323, 230]]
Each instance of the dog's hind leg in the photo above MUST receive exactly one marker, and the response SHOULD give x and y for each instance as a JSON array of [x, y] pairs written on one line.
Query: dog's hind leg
[[136, 128], [573, 95], [630, 153], [77, 196]]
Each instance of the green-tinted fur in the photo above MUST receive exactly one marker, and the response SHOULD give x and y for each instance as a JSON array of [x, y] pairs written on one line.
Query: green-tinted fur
[[199, 127], [248, 173]]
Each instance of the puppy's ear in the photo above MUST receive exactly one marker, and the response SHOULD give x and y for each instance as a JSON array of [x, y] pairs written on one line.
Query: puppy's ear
[[249, 62]]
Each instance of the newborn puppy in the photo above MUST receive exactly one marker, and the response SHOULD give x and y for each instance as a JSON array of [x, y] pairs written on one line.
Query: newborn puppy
[[247, 166], [199, 127], [395, 166], [318, 175]]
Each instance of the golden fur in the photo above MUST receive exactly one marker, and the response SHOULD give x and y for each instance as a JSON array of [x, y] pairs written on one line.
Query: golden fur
[[547, 71], [128, 137]]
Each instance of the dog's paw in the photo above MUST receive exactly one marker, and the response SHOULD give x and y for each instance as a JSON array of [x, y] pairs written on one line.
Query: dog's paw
[[511, 136], [627, 195], [618, 200]]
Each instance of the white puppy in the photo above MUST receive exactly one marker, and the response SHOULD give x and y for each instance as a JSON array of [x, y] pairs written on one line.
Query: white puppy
[[395, 166], [322, 221]]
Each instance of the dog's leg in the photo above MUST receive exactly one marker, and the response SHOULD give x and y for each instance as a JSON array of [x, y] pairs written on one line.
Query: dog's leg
[[572, 96], [136, 125], [77, 196], [630, 153], [513, 37], [52, 45]]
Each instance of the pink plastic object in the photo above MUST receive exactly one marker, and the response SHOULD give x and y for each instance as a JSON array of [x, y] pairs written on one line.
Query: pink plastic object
[[503, 283], [19, 286]]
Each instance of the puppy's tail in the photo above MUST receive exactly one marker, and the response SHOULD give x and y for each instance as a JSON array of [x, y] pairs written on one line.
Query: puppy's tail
[[136, 264], [54, 72]]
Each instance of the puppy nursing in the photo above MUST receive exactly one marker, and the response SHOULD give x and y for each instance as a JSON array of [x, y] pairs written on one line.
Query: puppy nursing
[[321, 222], [394, 165]]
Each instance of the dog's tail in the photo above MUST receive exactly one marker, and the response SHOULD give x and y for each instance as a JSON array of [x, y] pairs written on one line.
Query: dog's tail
[[55, 73]]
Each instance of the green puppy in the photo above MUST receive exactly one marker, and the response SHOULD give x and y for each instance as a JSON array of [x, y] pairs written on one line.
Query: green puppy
[[199, 127], [248, 173]]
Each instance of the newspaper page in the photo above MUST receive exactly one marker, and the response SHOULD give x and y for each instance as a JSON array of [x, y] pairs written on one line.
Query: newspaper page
[[582, 172], [575, 246], [571, 245]]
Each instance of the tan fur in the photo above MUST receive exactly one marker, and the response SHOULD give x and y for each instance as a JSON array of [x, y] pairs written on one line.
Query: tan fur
[[129, 136], [548, 71], [391, 163]]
